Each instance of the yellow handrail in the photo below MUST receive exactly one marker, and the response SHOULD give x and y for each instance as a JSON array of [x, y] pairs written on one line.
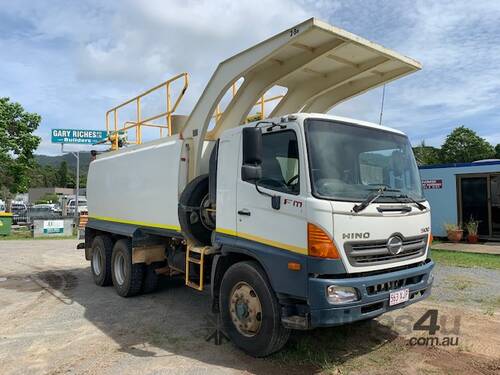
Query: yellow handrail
[[261, 102], [113, 135]]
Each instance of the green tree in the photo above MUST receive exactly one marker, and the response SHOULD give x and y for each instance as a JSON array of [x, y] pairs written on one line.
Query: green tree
[[17, 144], [464, 145], [426, 155], [497, 151], [63, 174], [48, 198]]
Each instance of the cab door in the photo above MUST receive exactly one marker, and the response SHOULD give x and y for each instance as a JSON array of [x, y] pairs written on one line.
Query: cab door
[[276, 236]]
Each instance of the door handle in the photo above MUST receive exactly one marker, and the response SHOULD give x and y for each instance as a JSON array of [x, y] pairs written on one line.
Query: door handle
[[244, 212]]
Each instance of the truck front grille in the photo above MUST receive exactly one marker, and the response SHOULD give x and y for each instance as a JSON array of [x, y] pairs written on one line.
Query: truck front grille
[[393, 285], [368, 253]]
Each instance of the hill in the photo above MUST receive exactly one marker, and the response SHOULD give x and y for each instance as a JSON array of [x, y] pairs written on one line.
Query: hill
[[55, 161]]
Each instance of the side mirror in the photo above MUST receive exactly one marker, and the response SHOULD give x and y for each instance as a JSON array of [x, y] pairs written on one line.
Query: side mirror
[[251, 173], [251, 169]]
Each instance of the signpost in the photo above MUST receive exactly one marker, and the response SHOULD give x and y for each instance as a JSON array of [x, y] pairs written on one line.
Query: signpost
[[77, 136]]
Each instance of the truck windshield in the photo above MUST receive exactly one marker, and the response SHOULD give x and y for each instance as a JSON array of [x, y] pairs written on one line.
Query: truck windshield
[[347, 162]]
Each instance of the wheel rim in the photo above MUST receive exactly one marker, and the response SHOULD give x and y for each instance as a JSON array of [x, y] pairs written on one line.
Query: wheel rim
[[245, 309], [96, 262], [207, 213], [119, 268]]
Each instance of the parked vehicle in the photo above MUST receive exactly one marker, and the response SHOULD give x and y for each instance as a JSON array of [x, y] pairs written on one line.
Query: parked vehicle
[[299, 221], [82, 206], [41, 212], [19, 212], [54, 207]]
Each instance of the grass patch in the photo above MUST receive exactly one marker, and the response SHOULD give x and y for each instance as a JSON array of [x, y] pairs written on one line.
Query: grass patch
[[467, 260], [25, 234], [343, 349], [491, 306], [460, 283]]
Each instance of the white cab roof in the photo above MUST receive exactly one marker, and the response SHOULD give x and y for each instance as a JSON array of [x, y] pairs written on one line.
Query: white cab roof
[[303, 116]]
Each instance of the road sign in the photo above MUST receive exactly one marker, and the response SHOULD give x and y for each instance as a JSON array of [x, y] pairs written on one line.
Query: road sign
[[53, 226], [79, 136]]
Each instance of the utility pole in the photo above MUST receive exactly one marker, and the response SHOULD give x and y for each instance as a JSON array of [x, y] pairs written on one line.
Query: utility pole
[[382, 106], [76, 154], [77, 190]]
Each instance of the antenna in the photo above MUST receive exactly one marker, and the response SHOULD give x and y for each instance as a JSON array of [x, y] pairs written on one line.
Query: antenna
[[382, 106]]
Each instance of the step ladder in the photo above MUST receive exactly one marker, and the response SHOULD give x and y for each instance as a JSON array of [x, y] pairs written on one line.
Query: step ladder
[[196, 255]]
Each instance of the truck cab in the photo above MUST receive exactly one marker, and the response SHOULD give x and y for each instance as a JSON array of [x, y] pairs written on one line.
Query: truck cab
[[314, 246]]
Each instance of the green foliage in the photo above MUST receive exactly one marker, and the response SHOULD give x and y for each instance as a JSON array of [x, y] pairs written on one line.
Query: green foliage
[[497, 151], [48, 198], [464, 145], [449, 227], [426, 155], [17, 144], [63, 174], [472, 227], [49, 171], [43, 176]]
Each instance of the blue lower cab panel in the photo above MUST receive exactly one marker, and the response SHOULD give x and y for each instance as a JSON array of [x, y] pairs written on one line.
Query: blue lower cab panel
[[374, 294]]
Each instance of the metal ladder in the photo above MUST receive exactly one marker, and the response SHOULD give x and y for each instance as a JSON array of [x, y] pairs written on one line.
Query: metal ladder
[[202, 251]]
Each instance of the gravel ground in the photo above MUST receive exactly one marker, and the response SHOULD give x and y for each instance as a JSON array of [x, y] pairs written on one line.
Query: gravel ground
[[56, 320], [474, 287]]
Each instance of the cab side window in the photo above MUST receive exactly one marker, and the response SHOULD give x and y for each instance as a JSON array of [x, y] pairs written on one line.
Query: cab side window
[[280, 162]]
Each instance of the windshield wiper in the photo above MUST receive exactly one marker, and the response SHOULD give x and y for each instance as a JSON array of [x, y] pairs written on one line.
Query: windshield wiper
[[369, 199], [419, 205]]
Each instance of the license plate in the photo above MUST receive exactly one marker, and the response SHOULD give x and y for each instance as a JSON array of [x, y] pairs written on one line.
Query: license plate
[[399, 296]]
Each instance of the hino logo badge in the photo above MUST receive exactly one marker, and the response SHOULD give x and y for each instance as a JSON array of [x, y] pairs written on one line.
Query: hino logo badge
[[356, 236], [394, 245]]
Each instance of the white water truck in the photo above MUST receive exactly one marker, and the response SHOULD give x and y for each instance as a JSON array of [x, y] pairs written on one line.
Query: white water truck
[[295, 221]]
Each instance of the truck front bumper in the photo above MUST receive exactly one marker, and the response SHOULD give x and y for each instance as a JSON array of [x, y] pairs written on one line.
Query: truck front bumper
[[373, 292]]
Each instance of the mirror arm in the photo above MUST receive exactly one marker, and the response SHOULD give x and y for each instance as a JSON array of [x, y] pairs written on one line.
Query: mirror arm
[[275, 199]]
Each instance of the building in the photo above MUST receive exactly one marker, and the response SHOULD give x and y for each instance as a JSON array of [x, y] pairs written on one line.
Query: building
[[457, 192], [35, 194]]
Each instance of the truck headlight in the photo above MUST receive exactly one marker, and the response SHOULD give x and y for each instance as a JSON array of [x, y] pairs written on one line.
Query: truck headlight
[[341, 294]]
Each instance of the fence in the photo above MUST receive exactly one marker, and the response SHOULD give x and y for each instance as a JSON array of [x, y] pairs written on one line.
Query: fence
[[26, 216]]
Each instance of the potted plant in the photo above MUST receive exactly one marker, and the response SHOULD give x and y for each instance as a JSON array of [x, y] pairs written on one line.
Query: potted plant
[[472, 227], [454, 231]]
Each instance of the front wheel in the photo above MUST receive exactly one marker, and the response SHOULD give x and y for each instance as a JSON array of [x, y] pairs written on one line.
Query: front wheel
[[250, 310]]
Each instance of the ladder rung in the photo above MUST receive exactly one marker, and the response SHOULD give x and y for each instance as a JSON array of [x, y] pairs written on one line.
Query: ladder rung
[[197, 250], [193, 260], [193, 285]]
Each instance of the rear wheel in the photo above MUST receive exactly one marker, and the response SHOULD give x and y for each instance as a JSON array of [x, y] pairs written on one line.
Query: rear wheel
[[127, 277], [250, 310], [100, 263], [151, 278]]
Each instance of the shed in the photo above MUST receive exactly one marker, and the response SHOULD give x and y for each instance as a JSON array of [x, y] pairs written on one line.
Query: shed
[[460, 191]]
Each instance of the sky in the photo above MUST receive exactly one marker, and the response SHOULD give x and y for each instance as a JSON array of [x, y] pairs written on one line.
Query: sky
[[70, 61]]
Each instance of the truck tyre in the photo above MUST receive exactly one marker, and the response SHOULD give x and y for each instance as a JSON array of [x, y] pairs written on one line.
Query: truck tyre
[[250, 310], [151, 278], [100, 263], [190, 218], [127, 277]]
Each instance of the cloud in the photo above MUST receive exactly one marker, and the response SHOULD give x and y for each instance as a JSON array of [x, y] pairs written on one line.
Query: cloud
[[71, 61]]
